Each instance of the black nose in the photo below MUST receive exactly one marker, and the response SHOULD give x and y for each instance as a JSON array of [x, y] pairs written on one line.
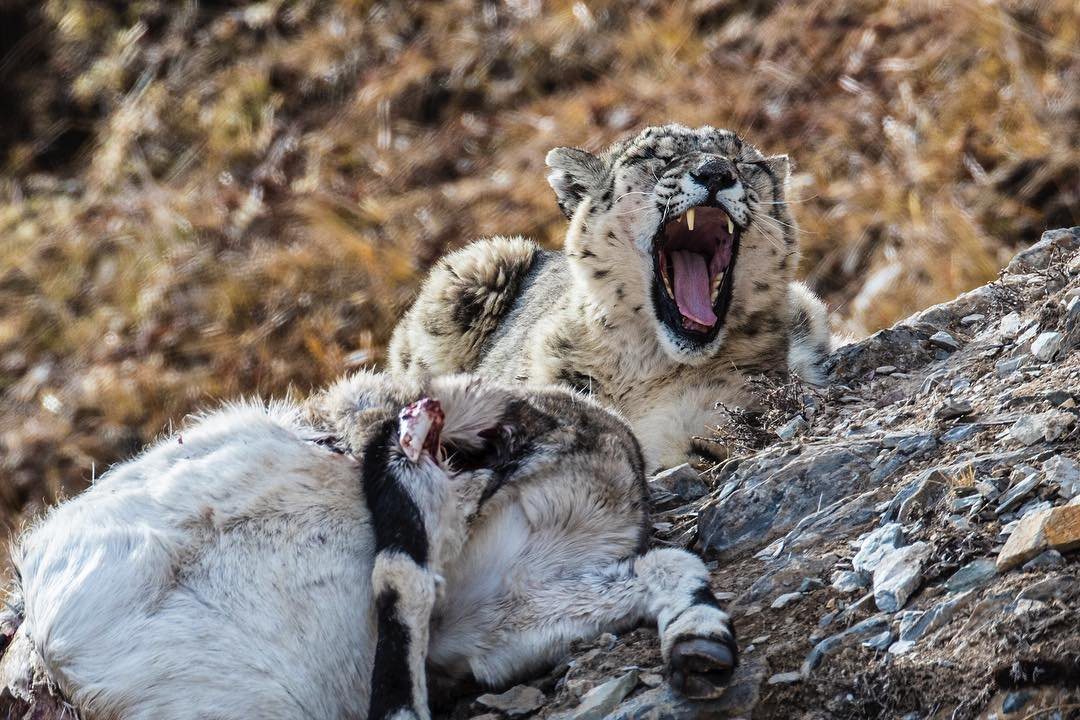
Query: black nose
[[715, 174]]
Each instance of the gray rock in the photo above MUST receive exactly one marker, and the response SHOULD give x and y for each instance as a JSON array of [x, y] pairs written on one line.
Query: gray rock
[[901, 647], [1048, 426], [1028, 335], [881, 641], [1016, 494], [1007, 366], [682, 481], [876, 545], [518, 700], [602, 699], [785, 678], [927, 493], [892, 440], [1064, 473], [972, 319], [1028, 430], [1052, 587], [660, 703], [915, 626], [1009, 327], [786, 599], [917, 445], [1045, 559], [1054, 243], [847, 581], [945, 341], [885, 369], [960, 433], [974, 574], [870, 626], [1047, 345], [792, 427], [952, 408], [775, 490], [898, 575]]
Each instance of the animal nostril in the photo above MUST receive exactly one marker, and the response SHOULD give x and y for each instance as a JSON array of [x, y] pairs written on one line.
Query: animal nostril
[[715, 174]]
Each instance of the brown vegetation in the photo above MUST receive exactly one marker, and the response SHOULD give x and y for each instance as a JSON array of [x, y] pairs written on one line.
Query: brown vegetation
[[201, 200]]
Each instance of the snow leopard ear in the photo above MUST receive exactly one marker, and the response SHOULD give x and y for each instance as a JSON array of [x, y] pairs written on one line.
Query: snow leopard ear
[[780, 167], [574, 174]]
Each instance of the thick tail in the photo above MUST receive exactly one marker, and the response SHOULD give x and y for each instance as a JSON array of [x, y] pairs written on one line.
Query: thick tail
[[26, 690]]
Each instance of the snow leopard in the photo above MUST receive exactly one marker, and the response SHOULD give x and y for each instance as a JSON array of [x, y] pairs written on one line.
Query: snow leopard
[[281, 561], [675, 284]]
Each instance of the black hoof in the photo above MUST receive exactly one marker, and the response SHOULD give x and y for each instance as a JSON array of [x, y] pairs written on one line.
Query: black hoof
[[702, 667]]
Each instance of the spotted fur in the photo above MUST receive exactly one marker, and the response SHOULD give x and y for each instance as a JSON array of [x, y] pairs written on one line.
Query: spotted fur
[[587, 318]]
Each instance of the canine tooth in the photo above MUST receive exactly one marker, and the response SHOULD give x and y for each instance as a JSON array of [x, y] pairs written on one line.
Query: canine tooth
[[716, 283], [730, 227], [667, 284], [690, 218]]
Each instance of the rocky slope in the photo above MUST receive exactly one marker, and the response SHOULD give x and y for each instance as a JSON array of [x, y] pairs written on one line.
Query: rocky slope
[[901, 545]]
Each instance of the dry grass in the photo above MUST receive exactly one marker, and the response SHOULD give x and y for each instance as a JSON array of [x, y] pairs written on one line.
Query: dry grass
[[203, 200]]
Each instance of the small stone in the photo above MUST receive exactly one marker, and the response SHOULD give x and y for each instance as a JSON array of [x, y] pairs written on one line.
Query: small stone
[[892, 440], [881, 641], [1015, 701], [953, 409], [1054, 529], [975, 573], [972, 319], [518, 700], [885, 370], [760, 640], [1008, 366], [1010, 326], [926, 494], [846, 581], [959, 433], [1028, 607], [917, 445], [682, 481], [898, 575], [1047, 345], [810, 584], [945, 341], [869, 626], [1028, 430], [1064, 473], [1052, 587], [1048, 426], [786, 599], [785, 678], [652, 679], [1028, 335], [1020, 490], [602, 699], [792, 427], [1045, 559], [876, 545], [901, 647]]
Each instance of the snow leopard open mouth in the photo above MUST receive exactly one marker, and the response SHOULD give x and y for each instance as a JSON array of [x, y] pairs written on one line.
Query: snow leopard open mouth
[[693, 271]]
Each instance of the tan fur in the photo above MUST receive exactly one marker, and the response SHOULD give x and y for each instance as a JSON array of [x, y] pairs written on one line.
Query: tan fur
[[585, 318]]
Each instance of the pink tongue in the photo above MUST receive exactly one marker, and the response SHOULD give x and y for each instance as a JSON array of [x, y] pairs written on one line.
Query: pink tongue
[[692, 287]]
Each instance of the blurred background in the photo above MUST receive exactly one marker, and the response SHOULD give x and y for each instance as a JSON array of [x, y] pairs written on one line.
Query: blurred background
[[205, 200]]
